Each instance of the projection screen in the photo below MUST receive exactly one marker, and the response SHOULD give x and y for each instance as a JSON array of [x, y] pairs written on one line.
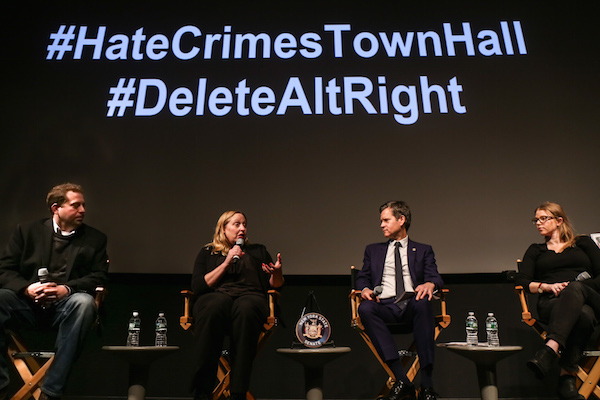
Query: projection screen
[[306, 116]]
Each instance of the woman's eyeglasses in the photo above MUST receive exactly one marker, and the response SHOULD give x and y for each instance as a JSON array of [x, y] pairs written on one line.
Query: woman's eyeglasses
[[542, 219]]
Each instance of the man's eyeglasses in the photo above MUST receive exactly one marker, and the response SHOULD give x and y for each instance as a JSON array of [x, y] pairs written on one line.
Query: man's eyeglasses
[[542, 219]]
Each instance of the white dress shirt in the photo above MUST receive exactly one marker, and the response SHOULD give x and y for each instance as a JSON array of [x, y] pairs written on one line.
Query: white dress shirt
[[389, 270]]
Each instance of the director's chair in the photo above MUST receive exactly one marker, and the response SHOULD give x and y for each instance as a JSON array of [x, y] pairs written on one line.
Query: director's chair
[[589, 372], [32, 366], [409, 357], [222, 390]]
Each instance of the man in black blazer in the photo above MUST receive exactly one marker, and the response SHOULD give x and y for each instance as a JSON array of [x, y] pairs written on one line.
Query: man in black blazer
[[404, 296], [74, 255]]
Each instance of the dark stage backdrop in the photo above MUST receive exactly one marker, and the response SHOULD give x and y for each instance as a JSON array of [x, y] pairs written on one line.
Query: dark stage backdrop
[[307, 116]]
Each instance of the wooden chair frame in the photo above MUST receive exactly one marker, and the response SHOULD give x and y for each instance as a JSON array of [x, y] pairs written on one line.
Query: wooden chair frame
[[30, 365], [222, 390], [589, 373], [410, 361]]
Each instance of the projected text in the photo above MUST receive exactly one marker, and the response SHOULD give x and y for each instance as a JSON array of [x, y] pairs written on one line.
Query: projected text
[[327, 93]]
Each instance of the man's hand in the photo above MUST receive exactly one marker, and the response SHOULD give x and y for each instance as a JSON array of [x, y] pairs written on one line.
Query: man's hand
[[46, 292], [35, 291], [56, 292], [367, 294], [424, 290]]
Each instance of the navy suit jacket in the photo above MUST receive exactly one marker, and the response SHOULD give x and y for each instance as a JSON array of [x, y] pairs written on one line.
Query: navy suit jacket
[[421, 264]]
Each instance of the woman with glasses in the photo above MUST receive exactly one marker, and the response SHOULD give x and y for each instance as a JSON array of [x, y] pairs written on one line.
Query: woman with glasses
[[565, 272]]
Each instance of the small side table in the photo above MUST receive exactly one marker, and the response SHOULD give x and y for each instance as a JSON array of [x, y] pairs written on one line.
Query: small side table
[[313, 361], [139, 360], [485, 359]]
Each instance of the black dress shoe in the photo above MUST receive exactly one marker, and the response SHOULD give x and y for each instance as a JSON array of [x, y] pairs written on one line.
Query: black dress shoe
[[542, 362], [567, 388], [401, 391], [427, 394]]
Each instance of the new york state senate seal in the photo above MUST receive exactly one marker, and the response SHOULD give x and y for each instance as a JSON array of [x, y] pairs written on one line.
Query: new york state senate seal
[[313, 330]]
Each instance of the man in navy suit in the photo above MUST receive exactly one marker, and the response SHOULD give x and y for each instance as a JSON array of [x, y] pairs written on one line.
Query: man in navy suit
[[74, 255], [403, 296]]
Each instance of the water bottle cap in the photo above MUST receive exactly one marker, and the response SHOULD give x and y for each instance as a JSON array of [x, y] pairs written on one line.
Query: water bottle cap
[[161, 314], [135, 314], [490, 314], [471, 313]]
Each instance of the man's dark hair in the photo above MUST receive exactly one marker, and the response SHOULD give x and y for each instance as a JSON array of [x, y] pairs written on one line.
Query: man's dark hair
[[58, 194], [398, 208]]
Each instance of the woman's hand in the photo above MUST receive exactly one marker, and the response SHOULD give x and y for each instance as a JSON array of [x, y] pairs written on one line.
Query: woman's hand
[[234, 251], [272, 268], [276, 280], [554, 288]]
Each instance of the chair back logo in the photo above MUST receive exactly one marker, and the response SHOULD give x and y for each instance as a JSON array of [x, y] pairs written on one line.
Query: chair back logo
[[313, 330]]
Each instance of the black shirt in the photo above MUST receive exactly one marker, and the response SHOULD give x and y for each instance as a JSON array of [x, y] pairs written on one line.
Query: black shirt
[[542, 265], [247, 277]]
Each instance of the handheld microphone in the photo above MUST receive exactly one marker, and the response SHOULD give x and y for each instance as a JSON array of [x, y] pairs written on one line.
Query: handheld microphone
[[234, 269], [583, 276], [377, 290], [238, 242], [43, 278], [43, 274]]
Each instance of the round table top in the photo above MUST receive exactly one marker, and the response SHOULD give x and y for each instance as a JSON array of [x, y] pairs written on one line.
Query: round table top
[[482, 354], [317, 350], [483, 347]]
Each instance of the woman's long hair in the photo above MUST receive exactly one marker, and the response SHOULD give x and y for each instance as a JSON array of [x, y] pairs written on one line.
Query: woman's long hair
[[220, 244], [565, 230]]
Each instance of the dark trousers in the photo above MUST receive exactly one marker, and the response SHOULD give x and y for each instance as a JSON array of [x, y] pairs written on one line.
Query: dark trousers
[[571, 317], [417, 314], [217, 315]]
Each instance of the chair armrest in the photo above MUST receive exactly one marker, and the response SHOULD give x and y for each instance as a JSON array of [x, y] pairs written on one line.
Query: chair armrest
[[100, 292], [99, 296], [272, 320], [444, 318], [525, 314], [185, 320], [355, 300]]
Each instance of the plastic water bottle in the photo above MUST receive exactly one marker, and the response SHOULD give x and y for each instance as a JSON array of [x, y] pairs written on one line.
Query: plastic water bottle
[[471, 327], [161, 330], [491, 328], [133, 336]]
